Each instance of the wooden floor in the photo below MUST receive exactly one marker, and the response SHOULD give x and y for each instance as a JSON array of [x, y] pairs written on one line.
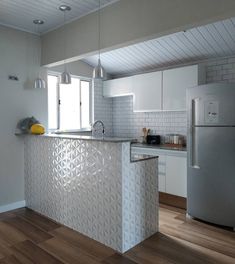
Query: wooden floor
[[26, 237]]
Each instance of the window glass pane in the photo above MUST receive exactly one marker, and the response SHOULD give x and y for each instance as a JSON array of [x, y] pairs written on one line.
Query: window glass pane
[[70, 105], [85, 108], [52, 102]]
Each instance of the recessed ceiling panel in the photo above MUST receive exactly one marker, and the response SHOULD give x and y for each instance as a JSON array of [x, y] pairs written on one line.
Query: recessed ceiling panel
[[200, 43]]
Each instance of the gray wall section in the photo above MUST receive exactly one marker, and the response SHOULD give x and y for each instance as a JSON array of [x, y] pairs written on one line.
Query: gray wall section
[[19, 53], [77, 68], [20, 56]]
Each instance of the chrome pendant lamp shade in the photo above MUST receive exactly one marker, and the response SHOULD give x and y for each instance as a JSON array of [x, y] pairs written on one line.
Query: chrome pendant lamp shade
[[39, 83], [65, 77], [99, 72]]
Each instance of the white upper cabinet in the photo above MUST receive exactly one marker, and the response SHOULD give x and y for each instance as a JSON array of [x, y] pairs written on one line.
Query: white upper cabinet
[[156, 91], [147, 91], [118, 87], [175, 83]]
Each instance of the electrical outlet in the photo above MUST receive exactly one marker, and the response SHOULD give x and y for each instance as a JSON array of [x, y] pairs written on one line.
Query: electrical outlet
[[13, 78]]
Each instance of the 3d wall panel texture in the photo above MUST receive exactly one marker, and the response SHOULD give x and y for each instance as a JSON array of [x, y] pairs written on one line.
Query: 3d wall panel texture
[[93, 188]]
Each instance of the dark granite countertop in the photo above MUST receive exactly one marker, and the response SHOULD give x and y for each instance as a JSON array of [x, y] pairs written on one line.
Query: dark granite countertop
[[141, 157], [162, 147]]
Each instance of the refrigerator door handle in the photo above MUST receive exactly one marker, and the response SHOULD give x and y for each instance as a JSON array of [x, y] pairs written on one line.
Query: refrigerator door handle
[[193, 137], [194, 149], [194, 163]]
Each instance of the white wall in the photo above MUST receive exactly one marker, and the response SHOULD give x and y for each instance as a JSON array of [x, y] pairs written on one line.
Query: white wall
[[19, 53], [131, 21]]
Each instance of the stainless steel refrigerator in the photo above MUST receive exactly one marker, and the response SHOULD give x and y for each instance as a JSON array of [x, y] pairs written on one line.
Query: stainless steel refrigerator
[[211, 153]]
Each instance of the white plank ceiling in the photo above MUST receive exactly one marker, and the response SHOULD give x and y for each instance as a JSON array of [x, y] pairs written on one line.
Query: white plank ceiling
[[201, 43], [21, 13]]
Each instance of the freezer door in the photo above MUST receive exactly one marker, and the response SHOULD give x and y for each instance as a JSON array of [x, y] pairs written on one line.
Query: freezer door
[[211, 175], [211, 105]]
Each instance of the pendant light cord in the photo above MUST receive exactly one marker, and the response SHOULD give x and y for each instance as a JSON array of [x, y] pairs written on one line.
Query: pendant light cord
[[99, 29], [65, 48], [38, 52]]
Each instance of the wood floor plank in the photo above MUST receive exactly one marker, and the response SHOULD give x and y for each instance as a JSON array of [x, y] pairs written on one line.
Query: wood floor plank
[[214, 255], [216, 234], [11, 260], [199, 239], [5, 249], [210, 229], [142, 254], [91, 246], [37, 219], [118, 259], [6, 215], [29, 238], [30, 231], [164, 207], [67, 253], [30, 251], [18, 258], [172, 200], [10, 234], [175, 252]]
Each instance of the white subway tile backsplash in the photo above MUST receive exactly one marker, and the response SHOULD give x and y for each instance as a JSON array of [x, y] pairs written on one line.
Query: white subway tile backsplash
[[102, 107], [211, 64], [231, 60], [222, 61], [158, 122], [227, 66]]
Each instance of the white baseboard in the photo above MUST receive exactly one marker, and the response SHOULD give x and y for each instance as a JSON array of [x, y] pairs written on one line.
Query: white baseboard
[[12, 206]]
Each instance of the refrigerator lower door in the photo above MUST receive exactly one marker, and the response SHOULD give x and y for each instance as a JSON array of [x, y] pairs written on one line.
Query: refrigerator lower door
[[211, 175]]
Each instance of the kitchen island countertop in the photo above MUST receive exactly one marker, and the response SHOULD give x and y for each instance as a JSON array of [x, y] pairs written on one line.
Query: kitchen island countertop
[[82, 137]]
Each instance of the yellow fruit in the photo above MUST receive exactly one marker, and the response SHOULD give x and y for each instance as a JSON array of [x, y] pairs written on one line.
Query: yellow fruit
[[37, 129]]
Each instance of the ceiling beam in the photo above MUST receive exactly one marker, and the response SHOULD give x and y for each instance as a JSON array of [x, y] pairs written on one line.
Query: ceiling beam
[[130, 21]]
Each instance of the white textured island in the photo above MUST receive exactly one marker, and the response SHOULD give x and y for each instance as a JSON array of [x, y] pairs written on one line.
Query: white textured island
[[93, 186]]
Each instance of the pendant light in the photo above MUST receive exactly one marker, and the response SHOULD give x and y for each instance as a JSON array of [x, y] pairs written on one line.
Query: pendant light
[[99, 72], [39, 83], [65, 77]]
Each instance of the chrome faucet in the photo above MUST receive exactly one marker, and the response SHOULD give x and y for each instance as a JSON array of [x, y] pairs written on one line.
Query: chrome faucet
[[95, 124]]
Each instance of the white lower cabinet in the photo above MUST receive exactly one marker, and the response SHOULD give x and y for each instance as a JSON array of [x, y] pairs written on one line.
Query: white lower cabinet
[[172, 169], [162, 173], [176, 175]]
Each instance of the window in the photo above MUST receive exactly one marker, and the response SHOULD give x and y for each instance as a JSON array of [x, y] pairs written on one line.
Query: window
[[69, 105]]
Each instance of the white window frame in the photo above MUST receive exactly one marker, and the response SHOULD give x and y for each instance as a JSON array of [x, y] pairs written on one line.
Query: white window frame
[[80, 103]]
